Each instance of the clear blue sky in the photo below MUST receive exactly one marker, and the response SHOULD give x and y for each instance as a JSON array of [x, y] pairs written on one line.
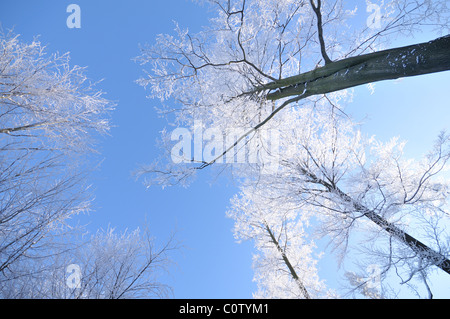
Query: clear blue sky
[[211, 265]]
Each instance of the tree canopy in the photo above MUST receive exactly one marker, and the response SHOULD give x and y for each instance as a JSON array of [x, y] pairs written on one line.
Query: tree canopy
[[287, 67]]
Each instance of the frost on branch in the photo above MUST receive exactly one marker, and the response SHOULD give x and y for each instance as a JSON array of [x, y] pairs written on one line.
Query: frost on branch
[[232, 73], [357, 188], [111, 265], [43, 98], [49, 117], [212, 75]]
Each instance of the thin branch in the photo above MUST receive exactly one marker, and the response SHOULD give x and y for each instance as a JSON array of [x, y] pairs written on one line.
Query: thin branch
[[320, 30], [288, 263]]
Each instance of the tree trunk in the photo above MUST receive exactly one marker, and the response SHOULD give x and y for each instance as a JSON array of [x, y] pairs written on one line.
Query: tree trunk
[[417, 59], [288, 264], [416, 245]]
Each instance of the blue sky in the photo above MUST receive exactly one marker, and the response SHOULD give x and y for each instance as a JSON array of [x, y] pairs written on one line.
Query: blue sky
[[211, 264]]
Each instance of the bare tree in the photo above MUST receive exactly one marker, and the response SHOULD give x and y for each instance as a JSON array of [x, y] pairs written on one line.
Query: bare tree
[[357, 188], [285, 266], [106, 265], [259, 63], [50, 116]]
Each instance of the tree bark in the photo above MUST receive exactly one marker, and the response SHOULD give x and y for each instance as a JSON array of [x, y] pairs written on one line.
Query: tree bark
[[323, 50], [416, 245], [417, 59], [288, 264]]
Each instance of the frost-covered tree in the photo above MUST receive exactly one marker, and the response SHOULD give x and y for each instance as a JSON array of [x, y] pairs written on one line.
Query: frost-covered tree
[[359, 193], [108, 265], [49, 115], [50, 118], [287, 66]]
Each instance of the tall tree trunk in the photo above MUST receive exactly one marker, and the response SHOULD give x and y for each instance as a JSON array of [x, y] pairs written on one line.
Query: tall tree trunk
[[288, 263], [416, 245], [417, 59]]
